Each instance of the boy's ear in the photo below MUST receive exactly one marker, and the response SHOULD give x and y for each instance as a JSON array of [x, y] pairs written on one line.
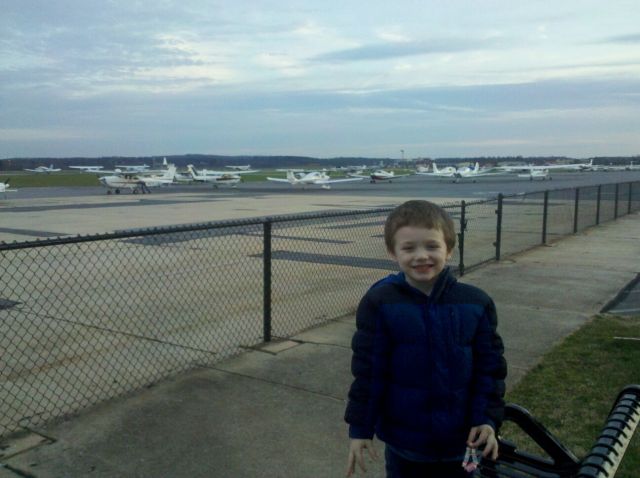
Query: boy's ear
[[392, 254]]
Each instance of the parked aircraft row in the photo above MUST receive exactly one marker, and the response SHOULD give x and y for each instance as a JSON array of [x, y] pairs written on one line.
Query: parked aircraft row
[[140, 179], [143, 181], [128, 168]]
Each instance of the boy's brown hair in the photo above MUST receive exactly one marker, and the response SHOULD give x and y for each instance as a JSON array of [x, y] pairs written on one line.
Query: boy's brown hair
[[421, 214]]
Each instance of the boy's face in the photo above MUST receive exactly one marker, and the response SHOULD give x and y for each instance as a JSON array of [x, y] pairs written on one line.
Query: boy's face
[[421, 254]]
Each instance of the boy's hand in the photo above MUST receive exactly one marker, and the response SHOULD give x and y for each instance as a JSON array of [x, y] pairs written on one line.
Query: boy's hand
[[356, 454], [484, 435]]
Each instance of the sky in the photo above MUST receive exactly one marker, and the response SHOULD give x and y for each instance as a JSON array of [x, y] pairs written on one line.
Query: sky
[[369, 78]]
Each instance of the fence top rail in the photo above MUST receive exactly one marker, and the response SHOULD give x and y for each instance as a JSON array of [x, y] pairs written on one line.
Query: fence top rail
[[153, 231]]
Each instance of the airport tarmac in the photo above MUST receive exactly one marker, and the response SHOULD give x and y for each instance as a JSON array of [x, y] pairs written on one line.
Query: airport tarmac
[[299, 276], [39, 213]]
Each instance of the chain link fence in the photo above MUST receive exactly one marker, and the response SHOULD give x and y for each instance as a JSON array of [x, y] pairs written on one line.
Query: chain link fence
[[86, 319]]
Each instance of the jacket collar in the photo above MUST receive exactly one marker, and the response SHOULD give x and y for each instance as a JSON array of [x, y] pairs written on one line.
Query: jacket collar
[[443, 282]]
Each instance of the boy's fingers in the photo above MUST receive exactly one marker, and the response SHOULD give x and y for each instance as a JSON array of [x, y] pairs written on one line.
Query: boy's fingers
[[491, 448]]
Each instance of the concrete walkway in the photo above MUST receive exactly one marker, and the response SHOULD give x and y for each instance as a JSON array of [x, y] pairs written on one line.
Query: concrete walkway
[[278, 412]]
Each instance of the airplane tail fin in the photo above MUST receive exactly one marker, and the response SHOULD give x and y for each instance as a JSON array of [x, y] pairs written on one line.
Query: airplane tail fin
[[291, 176], [435, 167], [170, 173], [476, 168], [191, 171]]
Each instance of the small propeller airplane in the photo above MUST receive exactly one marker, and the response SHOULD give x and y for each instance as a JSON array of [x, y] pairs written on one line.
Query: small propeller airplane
[[4, 189], [88, 169], [447, 171], [379, 175], [218, 178], [314, 178], [542, 174], [137, 182], [245, 167], [44, 169], [458, 174], [548, 167], [135, 168]]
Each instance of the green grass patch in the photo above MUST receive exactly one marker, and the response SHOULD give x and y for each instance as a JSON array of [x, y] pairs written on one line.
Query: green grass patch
[[60, 179], [572, 390]]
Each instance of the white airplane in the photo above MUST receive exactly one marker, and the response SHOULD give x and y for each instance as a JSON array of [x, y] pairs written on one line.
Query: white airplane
[[245, 167], [466, 172], [379, 175], [314, 178], [88, 169], [547, 167], [4, 189], [44, 169], [217, 178], [135, 168], [613, 167], [137, 182], [446, 172], [542, 174]]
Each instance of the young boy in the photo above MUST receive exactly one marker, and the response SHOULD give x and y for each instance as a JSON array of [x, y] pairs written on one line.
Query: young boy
[[427, 361]]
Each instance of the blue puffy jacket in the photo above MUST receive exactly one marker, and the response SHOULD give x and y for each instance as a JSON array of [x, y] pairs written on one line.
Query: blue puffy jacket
[[426, 368]]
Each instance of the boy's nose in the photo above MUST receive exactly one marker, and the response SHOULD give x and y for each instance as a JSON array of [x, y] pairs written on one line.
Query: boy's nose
[[422, 253]]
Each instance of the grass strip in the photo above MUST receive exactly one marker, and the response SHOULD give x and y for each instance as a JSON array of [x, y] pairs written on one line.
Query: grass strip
[[573, 388]]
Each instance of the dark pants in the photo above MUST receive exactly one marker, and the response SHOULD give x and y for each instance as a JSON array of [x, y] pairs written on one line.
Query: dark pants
[[398, 467]]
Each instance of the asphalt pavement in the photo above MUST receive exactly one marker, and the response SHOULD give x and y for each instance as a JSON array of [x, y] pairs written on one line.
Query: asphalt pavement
[[277, 411]]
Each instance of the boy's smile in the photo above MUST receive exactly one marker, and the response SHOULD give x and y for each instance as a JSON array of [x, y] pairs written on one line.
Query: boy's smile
[[421, 254]]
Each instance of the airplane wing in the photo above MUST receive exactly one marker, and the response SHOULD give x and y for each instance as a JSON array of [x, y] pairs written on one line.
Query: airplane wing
[[226, 173], [333, 181], [489, 173], [279, 180], [437, 175], [359, 176]]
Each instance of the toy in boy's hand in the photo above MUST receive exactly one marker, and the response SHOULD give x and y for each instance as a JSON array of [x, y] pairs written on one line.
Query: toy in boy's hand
[[470, 461]]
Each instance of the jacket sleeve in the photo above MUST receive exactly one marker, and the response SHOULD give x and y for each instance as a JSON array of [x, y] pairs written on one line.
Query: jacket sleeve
[[367, 364], [490, 370]]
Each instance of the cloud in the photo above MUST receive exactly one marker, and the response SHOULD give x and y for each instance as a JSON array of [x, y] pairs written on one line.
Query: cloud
[[39, 134], [396, 49], [633, 38]]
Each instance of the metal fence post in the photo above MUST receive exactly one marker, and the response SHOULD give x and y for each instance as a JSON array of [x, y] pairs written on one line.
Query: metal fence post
[[499, 226], [575, 211], [629, 205], [463, 226], [266, 286], [545, 212], [598, 204], [615, 208]]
